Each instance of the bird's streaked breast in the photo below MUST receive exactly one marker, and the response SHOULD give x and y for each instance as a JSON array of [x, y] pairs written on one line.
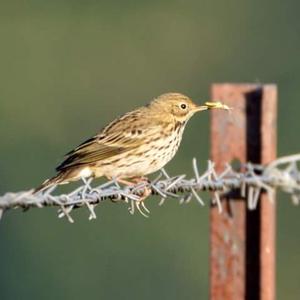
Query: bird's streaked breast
[[153, 154]]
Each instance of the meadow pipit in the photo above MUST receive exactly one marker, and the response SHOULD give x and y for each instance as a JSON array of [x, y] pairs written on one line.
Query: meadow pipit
[[133, 145]]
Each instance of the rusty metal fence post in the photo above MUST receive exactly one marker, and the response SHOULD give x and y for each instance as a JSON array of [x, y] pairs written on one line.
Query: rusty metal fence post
[[243, 242]]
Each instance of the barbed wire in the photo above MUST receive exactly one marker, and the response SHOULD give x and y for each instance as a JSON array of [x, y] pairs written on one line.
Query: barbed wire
[[251, 179]]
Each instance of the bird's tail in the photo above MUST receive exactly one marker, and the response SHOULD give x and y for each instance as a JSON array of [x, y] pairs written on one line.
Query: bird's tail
[[60, 178]]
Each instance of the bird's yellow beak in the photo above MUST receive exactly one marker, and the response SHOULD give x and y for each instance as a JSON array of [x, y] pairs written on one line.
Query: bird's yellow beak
[[200, 108]]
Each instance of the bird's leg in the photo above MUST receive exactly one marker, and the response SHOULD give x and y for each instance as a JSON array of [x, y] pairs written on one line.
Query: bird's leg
[[140, 202], [125, 182], [146, 193], [119, 180]]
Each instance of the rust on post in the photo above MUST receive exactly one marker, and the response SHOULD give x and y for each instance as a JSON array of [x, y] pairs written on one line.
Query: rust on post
[[243, 242]]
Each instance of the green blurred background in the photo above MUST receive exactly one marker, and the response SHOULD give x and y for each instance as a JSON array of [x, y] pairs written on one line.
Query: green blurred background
[[66, 69]]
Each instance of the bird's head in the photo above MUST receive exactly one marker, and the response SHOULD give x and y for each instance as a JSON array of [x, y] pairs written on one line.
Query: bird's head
[[176, 105]]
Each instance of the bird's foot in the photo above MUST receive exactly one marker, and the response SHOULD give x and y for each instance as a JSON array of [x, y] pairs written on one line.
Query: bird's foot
[[139, 204]]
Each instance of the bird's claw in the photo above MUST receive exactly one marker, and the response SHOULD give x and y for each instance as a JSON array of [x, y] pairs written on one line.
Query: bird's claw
[[140, 204]]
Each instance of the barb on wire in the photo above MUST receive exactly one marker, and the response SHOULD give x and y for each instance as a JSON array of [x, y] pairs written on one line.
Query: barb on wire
[[282, 174]]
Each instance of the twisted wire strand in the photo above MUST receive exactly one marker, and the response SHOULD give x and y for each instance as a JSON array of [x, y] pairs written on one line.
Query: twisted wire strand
[[282, 174]]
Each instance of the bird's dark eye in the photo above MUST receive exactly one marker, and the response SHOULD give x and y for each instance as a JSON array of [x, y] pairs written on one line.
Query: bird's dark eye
[[183, 106]]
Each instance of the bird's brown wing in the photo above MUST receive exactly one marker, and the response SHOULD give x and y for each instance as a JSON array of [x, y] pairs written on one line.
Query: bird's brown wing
[[120, 136]]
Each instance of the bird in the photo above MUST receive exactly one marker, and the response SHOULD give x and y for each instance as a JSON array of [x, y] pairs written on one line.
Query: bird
[[133, 145]]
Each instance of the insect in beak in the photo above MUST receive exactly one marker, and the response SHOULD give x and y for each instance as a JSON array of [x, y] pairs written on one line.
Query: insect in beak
[[217, 104], [212, 105]]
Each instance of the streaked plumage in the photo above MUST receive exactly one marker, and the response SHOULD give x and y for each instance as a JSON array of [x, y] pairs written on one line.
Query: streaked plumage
[[133, 145]]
